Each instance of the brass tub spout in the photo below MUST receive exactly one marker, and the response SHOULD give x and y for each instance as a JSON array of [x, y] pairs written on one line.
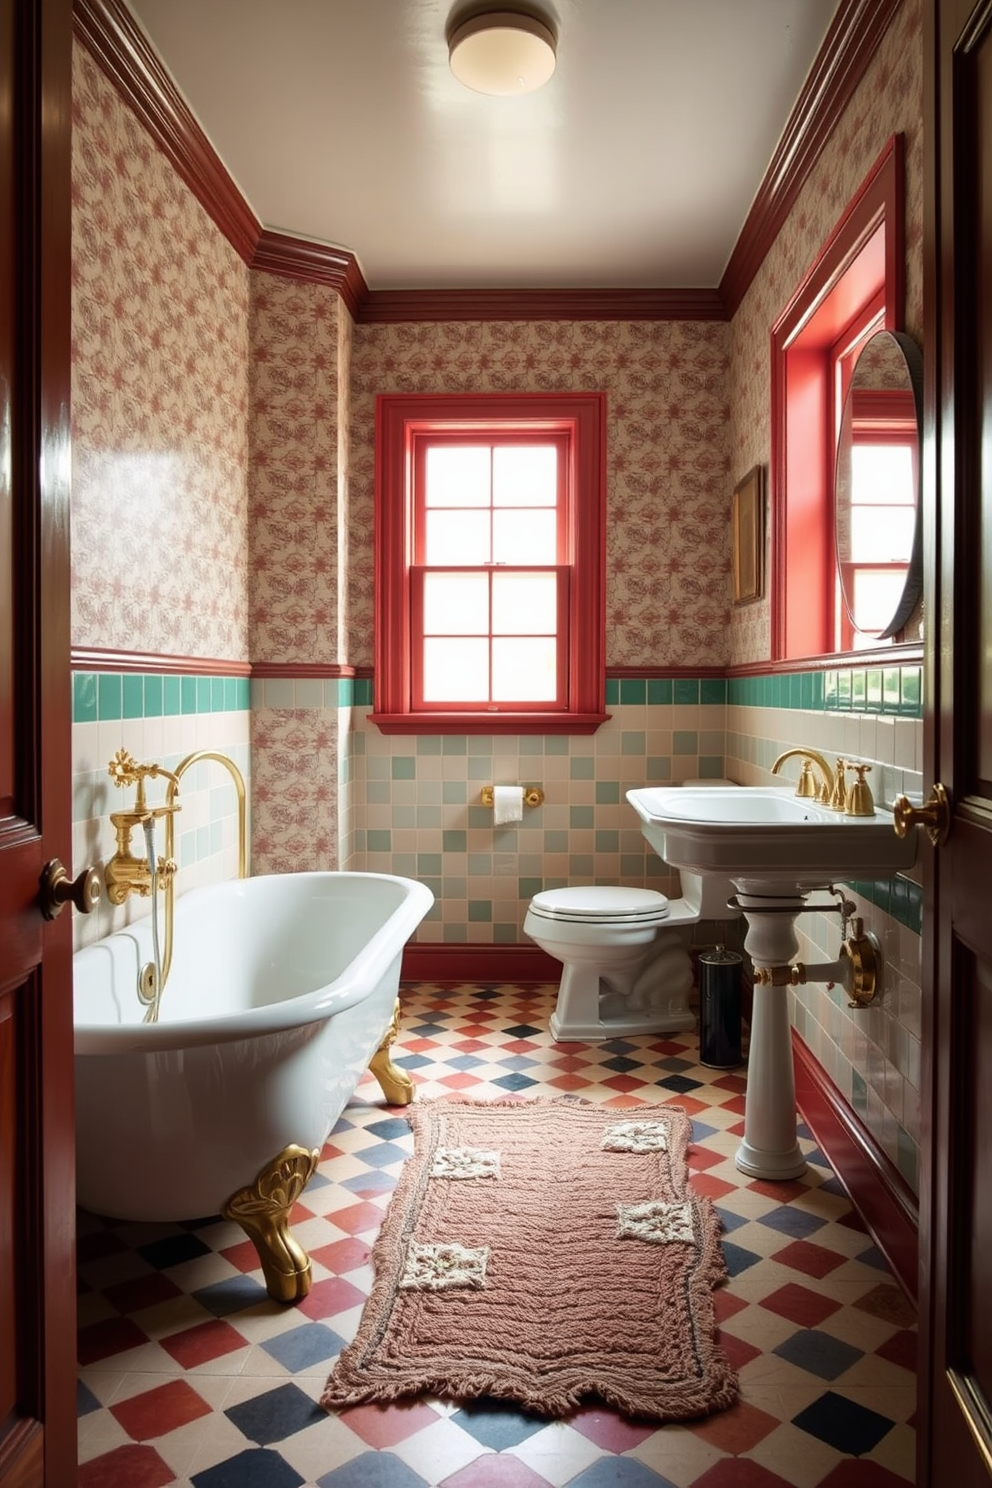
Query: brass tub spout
[[824, 790]]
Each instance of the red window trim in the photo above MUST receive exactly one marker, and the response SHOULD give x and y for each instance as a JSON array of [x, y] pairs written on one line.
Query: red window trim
[[863, 259], [399, 416]]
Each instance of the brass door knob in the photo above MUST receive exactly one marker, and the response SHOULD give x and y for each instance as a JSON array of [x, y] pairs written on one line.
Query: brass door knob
[[57, 888], [934, 815]]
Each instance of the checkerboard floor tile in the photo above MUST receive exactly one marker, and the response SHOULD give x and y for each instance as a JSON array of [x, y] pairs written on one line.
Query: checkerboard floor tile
[[189, 1374]]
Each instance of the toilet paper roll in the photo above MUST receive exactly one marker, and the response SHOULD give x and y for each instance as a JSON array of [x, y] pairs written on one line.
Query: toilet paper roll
[[508, 804]]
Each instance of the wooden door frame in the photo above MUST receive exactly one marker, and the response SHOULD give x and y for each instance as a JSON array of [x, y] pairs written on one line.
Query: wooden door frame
[[38, 1438]]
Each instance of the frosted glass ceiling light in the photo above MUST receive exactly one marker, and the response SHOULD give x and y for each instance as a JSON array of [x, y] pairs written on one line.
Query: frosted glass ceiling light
[[502, 53]]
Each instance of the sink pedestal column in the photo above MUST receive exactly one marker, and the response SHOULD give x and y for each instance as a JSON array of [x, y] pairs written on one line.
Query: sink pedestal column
[[770, 1148]]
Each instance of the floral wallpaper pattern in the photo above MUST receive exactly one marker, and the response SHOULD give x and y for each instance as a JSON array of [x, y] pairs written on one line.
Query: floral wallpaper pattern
[[668, 502], [294, 790], [889, 101], [296, 515], [159, 398]]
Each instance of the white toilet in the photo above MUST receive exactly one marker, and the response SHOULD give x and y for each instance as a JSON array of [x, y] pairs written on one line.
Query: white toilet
[[624, 953]]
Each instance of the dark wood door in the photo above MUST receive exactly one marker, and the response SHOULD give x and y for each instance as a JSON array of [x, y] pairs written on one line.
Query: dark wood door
[[956, 1203], [37, 1293]]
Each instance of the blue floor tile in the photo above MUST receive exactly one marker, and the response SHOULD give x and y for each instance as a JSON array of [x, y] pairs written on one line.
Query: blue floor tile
[[679, 1083], [791, 1221], [818, 1353], [522, 1031], [515, 1082], [232, 1295], [384, 1154], [371, 1182], [843, 1424], [251, 1469], [86, 1401], [619, 1472], [389, 1127], [496, 1425], [737, 1258], [373, 1470], [173, 1250], [301, 1348], [275, 1415]]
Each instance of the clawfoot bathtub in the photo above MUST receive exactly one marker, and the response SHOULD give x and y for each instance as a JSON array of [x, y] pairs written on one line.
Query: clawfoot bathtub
[[283, 989]]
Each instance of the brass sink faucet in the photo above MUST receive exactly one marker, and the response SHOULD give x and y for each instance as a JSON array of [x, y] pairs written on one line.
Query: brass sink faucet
[[808, 788], [127, 874]]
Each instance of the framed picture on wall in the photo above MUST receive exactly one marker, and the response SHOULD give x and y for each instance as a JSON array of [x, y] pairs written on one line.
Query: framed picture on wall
[[748, 514]]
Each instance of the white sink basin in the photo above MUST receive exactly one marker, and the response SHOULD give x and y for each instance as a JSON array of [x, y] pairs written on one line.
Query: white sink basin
[[768, 835]]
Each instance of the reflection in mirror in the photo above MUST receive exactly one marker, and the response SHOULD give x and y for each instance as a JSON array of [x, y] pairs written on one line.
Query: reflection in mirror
[[877, 491]]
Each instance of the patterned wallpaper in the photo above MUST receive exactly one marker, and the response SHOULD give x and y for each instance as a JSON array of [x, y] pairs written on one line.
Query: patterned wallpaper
[[296, 514], [668, 497], [159, 398], [889, 101]]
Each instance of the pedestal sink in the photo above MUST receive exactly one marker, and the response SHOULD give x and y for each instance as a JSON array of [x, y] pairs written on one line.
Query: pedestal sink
[[776, 849]]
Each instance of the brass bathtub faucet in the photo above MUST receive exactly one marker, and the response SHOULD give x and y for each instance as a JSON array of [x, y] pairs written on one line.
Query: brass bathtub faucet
[[126, 873]]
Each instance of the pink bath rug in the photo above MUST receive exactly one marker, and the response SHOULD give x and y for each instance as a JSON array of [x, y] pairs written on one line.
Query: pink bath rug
[[547, 1252]]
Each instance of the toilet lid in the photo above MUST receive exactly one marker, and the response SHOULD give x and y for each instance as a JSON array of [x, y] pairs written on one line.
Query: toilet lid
[[601, 902]]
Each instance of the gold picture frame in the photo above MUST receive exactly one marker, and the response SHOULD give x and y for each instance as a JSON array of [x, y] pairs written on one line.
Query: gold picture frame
[[748, 513]]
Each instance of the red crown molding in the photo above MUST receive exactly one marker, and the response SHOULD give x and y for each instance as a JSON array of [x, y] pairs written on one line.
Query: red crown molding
[[107, 30], [317, 263], [303, 669], [638, 672], [841, 63], [98, 659], [392, 305], [874, 1185]]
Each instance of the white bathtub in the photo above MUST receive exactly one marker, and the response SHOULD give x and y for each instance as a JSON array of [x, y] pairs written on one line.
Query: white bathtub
[[282, 988]]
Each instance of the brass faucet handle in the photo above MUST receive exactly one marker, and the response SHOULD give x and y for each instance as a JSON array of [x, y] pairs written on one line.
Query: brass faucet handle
[[859, 797], [838, 796], [123, 769], [807, 787]]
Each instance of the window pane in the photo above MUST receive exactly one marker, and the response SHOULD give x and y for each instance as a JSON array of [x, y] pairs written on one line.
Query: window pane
[[876, 594], [882, 534], [525, 475], [458, 475], [524, 670], [883, 473], [456, 604], [525, 604], [525, 536], [460, 537], [456, 671]]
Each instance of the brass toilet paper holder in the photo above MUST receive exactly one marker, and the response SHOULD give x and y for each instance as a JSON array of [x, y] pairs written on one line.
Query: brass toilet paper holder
[[533, 795]]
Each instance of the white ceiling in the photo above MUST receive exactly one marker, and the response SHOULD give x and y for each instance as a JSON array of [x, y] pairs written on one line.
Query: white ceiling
[[635, 167]]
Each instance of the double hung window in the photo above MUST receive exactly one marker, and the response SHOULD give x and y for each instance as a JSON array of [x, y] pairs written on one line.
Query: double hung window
[[489, 592]]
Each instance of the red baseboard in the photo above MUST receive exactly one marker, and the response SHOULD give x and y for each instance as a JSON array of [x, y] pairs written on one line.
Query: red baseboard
[[427, 962], [874, 1185]]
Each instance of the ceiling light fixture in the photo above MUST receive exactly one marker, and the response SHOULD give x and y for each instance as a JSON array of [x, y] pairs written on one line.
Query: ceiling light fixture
[[502, 52]]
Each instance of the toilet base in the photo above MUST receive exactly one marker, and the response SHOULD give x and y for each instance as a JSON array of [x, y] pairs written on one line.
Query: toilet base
[[567, 1032], [652, 999]]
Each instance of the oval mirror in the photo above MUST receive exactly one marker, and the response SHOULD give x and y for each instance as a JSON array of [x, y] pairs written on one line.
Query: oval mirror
[[877, 490]]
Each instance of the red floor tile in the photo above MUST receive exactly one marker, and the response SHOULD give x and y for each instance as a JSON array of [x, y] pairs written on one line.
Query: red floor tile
[[800, 1305], [738, 1429], [901, 1348], [327, 1298], [342, 1255], [612, 1433], [126, 1467], [206, 1341], [103, 1340], [740, 1472], [142, 1291], [357, 1219], [812, 1260], [384, 1426], [160, 1410]]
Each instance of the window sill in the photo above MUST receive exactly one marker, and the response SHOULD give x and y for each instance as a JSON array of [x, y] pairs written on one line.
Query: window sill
[[489, 723]]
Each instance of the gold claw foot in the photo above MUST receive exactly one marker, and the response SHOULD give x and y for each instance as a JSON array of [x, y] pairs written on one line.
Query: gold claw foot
[[262, 1210], [395, 1084]]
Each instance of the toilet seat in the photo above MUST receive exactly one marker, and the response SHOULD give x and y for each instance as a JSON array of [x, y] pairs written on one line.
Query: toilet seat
[[600, 904]]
